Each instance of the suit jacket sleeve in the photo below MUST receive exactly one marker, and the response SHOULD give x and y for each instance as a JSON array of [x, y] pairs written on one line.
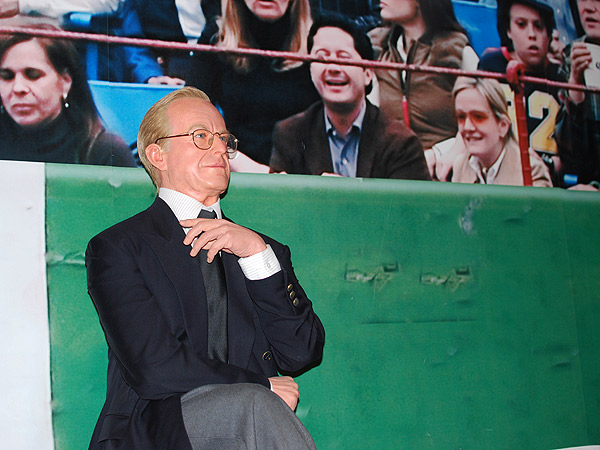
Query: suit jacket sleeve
[[294, 331], [284, 158], [150, 342], [404, 158]]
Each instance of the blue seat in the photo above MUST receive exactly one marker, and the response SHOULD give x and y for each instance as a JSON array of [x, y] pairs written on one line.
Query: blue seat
[[479, 19], [122, 105]]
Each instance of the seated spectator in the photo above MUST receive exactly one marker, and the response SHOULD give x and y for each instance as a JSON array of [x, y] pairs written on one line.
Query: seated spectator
[[48, 113], [56, 8], [344, 134], [579, 133], [424, 33], [364, 13], [256, 92], [525, 28], [120, 63], [492, 153], [171, 20]]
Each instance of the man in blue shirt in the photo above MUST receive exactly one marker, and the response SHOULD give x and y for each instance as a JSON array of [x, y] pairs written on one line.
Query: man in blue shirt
[[344, 134]]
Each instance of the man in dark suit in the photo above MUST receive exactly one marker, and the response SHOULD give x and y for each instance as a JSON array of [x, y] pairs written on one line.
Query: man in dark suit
[[199, 313], [345, 134]]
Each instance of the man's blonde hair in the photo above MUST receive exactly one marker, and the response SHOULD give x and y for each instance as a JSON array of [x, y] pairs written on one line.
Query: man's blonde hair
[[156, 124]]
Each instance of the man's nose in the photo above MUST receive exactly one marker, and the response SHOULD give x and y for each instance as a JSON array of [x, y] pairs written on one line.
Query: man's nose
[[333, 68], [218, 146]]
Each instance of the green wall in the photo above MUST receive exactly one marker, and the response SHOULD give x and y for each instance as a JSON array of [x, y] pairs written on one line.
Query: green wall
[[457, 316]]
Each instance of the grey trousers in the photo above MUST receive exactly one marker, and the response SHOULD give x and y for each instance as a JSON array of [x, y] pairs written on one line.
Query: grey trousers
[[241, 417]]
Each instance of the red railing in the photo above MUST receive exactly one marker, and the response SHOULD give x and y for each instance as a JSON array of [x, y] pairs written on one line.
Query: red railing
[[514, 76]]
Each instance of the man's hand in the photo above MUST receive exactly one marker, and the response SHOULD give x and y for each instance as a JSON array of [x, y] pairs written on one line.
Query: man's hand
[[215, 235], [583, 187], [9, 8], [287, 389], [330, 174], [580, 60]]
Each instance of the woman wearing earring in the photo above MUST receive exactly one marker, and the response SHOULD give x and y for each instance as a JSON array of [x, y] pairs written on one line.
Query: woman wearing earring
[[493, 155], [47, 112]]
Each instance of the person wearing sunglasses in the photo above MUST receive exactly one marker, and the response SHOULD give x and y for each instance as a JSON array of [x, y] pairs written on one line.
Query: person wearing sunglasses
[[492, 153]]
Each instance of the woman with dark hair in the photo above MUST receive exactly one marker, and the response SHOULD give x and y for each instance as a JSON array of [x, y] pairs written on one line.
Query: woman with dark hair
[[47, 112], [424, 33], [256, 92]]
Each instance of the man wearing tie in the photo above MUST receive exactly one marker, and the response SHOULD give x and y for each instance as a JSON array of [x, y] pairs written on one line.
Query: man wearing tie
[[198, 313]]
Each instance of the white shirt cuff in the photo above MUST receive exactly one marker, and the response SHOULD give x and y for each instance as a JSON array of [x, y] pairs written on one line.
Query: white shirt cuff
[[261, 265]]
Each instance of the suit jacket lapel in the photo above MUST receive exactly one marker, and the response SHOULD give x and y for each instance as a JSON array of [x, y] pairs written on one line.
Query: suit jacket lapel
[[368, 142], [510, 171], [317, 154], [183, 271]]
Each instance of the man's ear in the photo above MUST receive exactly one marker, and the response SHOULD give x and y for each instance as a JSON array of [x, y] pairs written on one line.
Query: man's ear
[[369, 75], [156, 156]]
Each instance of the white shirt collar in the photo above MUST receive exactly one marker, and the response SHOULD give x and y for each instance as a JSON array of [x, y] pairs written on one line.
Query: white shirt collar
[[492, 172], [357, 122], [186, 207]]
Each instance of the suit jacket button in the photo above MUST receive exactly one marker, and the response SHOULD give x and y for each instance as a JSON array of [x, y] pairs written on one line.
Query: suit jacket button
[[267, 356], [295, 302], [292, 295], [290, 287]]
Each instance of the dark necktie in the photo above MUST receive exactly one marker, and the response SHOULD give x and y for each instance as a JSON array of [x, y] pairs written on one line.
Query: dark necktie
[[215, 287]]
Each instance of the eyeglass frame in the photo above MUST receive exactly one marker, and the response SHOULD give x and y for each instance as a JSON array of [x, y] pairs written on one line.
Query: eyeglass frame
[[231, 153]]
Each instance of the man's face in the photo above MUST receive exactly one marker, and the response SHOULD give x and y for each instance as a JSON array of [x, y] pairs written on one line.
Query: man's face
[[201, 174], [339, 86], [589, 14], [529, 36]]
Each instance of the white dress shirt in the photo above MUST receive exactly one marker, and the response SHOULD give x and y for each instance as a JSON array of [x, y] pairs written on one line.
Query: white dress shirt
[[256, 267]]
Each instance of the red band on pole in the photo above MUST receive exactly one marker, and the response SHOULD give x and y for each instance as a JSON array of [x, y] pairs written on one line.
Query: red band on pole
[[405, 111], [514, 70]]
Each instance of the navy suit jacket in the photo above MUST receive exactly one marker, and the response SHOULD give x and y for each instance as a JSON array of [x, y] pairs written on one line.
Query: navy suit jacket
[[150, 299]]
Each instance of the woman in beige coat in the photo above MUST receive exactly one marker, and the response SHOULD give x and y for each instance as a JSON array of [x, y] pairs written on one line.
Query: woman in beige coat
[[492, 153]]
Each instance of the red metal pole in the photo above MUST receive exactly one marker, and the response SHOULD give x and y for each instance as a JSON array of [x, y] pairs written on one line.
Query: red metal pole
[[514, 70]]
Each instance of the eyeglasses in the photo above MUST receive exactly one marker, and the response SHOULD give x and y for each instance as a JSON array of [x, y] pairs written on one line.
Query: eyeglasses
[[476, 117], [203, 139]]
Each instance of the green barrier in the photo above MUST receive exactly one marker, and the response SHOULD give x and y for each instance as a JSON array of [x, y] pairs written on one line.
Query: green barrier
[[457, 316]]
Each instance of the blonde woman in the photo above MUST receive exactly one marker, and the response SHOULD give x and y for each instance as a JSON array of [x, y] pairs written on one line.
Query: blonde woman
[[492, 153], [255, 92]]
